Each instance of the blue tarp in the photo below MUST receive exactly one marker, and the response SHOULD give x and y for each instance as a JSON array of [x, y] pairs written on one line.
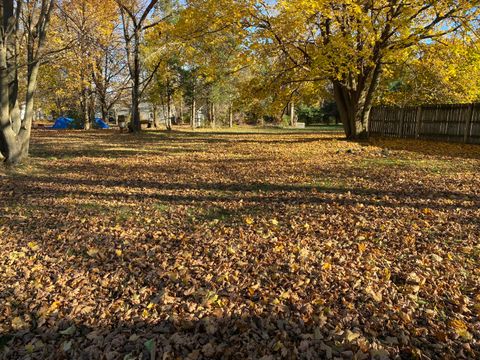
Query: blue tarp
[[64, 123], [100, 124]]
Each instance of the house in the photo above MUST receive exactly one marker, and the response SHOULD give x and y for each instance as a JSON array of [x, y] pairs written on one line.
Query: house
[[148, 113]]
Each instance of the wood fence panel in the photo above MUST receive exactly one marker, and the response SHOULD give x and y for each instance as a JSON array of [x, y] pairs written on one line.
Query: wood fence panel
[[455, 122], [474, 126]]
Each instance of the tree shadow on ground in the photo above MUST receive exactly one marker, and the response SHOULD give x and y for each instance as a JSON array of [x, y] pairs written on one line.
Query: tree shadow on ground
[[289, 332], [112, 146], [260, 192]]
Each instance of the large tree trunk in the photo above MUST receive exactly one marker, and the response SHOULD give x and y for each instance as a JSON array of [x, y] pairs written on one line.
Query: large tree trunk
[[14, 131], [15, 145], [104, 112], [354, 103], [136, 121], [26, 127], [350, 110], [133, 26]]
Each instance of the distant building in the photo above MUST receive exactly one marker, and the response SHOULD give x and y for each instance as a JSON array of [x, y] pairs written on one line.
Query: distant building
[[148, 113]]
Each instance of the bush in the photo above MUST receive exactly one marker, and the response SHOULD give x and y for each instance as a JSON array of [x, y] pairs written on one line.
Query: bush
[[309, 115]]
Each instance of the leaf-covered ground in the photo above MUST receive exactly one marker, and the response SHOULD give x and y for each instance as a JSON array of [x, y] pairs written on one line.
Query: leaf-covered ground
[[240, 245]]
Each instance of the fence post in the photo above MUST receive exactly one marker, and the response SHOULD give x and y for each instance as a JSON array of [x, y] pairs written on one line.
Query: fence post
[[418, 121], [468, 122], [402, 119]]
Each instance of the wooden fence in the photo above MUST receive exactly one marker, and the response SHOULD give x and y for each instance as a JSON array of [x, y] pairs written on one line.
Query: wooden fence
[[456, 122]]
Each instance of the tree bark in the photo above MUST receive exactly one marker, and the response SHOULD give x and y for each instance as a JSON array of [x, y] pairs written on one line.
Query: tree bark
[[14, 131], [194, 113], [292, 114], [354, 102], [104, 112], [136, 121], [213, 115], [168, 122], [181, 110], [230, 116], [85, 112], [133, 26], [155, 117]]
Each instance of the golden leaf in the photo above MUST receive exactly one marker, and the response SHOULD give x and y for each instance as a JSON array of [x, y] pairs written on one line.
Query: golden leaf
[[33, 245], [362, 247], [460, 329], [55, 305], [327, 266], [249, 220]]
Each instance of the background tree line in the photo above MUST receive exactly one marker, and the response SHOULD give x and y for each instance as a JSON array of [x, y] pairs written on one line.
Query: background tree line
[[255, 61]]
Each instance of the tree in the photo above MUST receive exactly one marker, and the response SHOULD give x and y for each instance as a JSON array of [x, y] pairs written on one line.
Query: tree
[[134, 15], [16, 20], [109, 75], [90, 26], [349, 42], [212, 55], [162, 59]]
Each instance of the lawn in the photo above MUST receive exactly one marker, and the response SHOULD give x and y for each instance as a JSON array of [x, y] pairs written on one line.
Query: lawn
[[245, 244]]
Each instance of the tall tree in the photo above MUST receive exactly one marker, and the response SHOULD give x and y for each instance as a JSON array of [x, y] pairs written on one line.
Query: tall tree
[[33, 20], [135, 15], [110, 75], [91, 25], [349, 42]]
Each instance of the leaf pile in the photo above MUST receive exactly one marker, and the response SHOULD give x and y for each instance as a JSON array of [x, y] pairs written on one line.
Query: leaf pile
[[240, 245]]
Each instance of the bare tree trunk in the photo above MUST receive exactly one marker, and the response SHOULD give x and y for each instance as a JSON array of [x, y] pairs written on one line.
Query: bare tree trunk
[[15, 132], [168, 122], [29, 106], [7, 139], [181, 110], [209, 112], [230, 116], [352, 109], [155, 117], [194, 113], [92, 105], [354, 103], [104, 112], [133, 26], [136, 121], [85, 112], [292, 114], [15, 146], [214, 116]]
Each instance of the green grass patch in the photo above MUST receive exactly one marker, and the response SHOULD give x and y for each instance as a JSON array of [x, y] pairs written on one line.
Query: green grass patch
[[430, 165]]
